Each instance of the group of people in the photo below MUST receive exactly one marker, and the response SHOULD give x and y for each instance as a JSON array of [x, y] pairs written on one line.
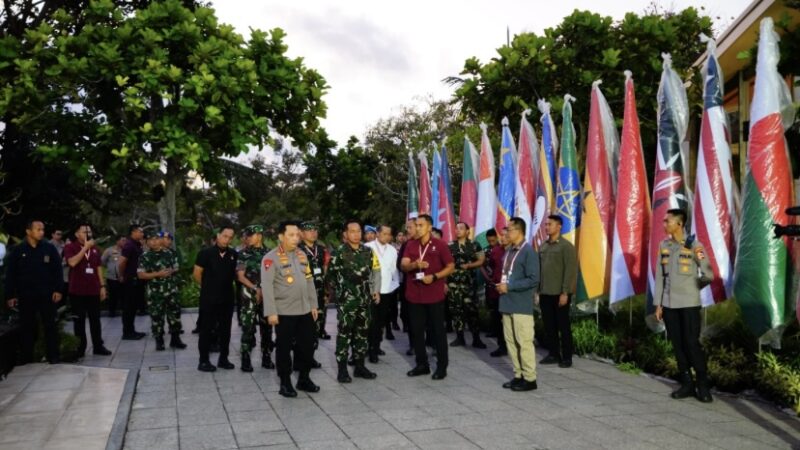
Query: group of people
[[285, 291]]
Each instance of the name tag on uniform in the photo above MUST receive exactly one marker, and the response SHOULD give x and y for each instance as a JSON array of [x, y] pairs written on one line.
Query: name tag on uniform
[[420, 275], [317, 271], [90, 271]]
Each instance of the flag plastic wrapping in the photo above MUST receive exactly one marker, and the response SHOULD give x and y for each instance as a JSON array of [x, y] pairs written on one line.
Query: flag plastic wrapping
[[468, 206], [762, 275], [424, 184], [526, 168], [447, 219], [412, 205], [715, 195], [436, 174], [507, 182], [568, 191], [632, 212], [545, 175], [669, 186], [487, 197]]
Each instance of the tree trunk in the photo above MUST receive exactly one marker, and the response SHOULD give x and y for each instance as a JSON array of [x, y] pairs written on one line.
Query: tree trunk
[[166, 206]]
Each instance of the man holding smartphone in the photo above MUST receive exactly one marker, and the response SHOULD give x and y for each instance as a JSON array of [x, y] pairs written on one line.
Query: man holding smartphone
[[159, 267]]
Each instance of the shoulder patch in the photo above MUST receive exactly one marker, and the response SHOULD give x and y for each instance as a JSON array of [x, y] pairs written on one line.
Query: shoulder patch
[[267, 263]]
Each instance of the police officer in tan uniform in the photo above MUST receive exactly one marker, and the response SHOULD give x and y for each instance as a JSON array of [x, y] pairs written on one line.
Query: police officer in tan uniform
[[683, 270]]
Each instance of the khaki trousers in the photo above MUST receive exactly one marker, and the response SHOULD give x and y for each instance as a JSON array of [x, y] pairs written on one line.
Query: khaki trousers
[[518, 330]]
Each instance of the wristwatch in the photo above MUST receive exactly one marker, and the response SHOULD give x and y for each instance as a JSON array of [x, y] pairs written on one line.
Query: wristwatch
[[435, 277]]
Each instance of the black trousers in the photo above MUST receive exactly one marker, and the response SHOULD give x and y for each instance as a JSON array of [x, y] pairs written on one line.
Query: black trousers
[[29, 308], [392, 310], [380, 316], [132, 294], [557, 326], [496, 321], [424, 317], [683, 330], [215, 317], [87, 306], [114, 299], [296, 333]]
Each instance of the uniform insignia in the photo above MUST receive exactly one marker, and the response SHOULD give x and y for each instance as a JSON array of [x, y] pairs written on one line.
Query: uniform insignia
[[46, 258], [267, 263]]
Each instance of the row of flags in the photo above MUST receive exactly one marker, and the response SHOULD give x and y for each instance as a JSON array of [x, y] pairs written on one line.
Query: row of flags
[[611, 218]]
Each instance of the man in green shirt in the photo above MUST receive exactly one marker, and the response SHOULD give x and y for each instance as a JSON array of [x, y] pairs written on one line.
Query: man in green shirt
[[559, 274]]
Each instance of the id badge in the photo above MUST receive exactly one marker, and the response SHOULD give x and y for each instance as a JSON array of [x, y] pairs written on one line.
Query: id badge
[[317, 271], [420, 275], [504, 279], [90, 271]]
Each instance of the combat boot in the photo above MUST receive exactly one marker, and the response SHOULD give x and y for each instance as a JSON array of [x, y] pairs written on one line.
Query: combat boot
[[247, 365], [476, 341], [266, 361], [343, 376], [703, 392], [287, 390], [361, 371], [176, 342], [459, 340], [686, 389], [160, 343]]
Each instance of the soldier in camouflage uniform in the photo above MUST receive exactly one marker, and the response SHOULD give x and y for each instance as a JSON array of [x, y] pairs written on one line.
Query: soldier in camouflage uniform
[[167, 240], [354, 273], [248, 270], [159, 268], [461, 297], [319, 258]]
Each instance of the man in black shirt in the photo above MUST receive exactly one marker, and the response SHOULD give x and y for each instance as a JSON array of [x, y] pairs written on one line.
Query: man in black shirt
[[34, 281], [215, 270]]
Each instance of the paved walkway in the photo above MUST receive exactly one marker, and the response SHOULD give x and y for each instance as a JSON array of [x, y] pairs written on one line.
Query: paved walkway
[[591, 406]]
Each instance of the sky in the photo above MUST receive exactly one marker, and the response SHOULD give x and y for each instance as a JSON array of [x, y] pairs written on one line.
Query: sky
[[377, 56]]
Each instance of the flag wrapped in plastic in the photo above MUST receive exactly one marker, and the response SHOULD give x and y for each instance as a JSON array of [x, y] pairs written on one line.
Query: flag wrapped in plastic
[[469, 185], [670, 190], [436, 173], [599, 185], [424, 184], [632, 212], [507, 183], [568, 191], [716, 193], [763, 263], [447, 219], [412, 205], [526, 179], [487, 197], [545, 175]]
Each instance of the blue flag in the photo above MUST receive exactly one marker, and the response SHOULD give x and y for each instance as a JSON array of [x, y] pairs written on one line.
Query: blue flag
[[507, 184]]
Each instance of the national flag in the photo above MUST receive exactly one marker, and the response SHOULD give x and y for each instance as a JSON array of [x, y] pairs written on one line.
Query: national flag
[[487, 198], [670, 188], [568, 191], [632, 213], [545, 175], [526, 181], [507, 183], [436, 173], [412, 205], [447, 219], [424, 184], [469, 185], [599, 185], [715, 201], [763, 263]]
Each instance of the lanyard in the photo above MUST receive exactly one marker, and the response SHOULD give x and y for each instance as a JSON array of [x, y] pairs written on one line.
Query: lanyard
[[381, 252], [423, 252], [509, 269], [310, 253]]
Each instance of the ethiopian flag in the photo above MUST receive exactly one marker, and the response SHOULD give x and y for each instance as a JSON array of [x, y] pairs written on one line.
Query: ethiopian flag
[[568, 190]]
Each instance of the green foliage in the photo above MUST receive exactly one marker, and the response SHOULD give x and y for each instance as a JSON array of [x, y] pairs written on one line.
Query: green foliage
[[777, 381], [588, 339], [653, 353], [190, 295], [629, 367], [729, 367]]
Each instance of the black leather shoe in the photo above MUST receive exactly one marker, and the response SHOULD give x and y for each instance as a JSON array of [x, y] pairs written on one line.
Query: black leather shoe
[[565, 364], [381, 352], [176, 342], [373, 358], [206, 366], [703, 393], [498, 353], [524, 386], [439, 375], [247, 365], [511, 383], [419, 370], [306, 385], [410, 352], [549, 359], [287, 390], [132, 337], [102, 351], [315, 364], [225, 364], [266, 361]]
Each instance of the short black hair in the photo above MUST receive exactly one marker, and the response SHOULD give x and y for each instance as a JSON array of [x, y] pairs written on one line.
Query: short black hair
[[437, 230], [680, 214], [491, 232], [82, 224], [426, 218], [519, 223], [556, 218], [133, 227], [226, 226], [349, 221], [287, 223], [466, 225], [383, 225], [29, 223]]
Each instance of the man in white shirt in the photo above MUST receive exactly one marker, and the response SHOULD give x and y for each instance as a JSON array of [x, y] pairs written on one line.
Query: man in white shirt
[[390, 282]]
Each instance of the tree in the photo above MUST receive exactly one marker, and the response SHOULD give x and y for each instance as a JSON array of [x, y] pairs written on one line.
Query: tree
[[569, 57], [162, 94]]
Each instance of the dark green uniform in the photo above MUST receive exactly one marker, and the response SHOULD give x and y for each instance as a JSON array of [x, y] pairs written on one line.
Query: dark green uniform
[[162, 293], [461, 287], [318, 258], [252, 311], [355, 275]]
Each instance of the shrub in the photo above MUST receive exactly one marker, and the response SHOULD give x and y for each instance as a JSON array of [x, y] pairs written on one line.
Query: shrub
[[190, 295], [654, 354], [729, 368], [777, 381], [587, 339], [629, 367]]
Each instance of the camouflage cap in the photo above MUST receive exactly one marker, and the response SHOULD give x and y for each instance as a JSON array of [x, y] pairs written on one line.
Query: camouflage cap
[[253, 229], [308, 225], [151, 234]]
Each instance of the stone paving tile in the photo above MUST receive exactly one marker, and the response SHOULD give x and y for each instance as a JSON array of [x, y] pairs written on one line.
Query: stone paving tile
[[161, 438], [207, 437], [143, 419]]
